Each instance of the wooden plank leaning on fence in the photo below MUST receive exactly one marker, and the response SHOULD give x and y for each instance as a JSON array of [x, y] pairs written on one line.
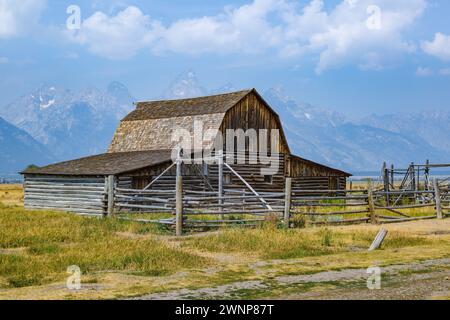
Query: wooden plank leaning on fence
[[370, 203], [378, 239], [437, 199]]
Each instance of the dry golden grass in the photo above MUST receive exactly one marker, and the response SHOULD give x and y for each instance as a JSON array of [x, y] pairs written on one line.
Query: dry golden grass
[[52, 241], [11, 194], [121, 259]]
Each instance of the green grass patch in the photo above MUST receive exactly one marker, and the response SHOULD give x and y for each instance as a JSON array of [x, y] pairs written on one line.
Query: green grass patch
[[54, 241]]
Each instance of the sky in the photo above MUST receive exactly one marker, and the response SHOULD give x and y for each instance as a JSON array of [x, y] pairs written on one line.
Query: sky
[[356, 57]]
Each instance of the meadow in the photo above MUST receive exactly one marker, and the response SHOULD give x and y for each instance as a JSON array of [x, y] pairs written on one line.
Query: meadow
[[121, 259]]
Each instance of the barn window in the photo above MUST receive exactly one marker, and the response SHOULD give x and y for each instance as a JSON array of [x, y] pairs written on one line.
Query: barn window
[[268, 179]]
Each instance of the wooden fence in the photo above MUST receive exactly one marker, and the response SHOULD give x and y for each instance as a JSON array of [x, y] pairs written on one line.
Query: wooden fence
[[192, 209]]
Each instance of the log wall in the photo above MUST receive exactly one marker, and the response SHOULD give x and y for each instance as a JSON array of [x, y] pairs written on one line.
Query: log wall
[[84, 195]]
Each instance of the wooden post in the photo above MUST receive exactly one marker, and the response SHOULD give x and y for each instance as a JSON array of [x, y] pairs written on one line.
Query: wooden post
[[386, 182], [287, 203], [110, 184], [427, 175], [413, 177], [370, 202], [392, 177], [437, 199], [179, 207], [179, 198], [220, 186]]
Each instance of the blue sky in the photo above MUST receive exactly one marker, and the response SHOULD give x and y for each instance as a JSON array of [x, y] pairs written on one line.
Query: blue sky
[[353, 56]]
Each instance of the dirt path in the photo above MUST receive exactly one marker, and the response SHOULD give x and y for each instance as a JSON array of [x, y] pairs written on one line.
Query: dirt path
[[424, 280], [433, 285]]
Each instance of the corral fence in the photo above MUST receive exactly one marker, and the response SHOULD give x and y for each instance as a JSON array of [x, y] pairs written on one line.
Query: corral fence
[[187, 210]]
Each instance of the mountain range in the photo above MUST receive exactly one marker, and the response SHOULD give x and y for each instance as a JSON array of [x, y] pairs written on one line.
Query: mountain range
[[69, 124], [54, 124], [19, 149]]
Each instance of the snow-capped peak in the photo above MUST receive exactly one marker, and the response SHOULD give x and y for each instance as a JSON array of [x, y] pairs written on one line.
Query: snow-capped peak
[[186, 85], [48, 104]]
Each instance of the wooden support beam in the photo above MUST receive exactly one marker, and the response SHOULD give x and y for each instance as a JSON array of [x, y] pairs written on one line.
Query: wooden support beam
[[287, 201], [437, 199], [158, 177], [249, 186]]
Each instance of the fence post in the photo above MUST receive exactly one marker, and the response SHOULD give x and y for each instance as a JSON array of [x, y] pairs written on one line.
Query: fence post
[[437, 199], [386, 182], [220, 186], [287, 203], [370, 202], [110, 183], [179, 197], [179, 207]]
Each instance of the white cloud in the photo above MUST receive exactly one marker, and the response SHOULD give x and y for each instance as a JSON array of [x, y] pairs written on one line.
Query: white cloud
[[19, 18], [4, 60], [348, 34], [117, 37], [424, 72], [439, 47], [337, 36]]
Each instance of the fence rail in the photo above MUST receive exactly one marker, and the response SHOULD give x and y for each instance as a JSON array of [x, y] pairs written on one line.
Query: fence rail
[[195, 209]]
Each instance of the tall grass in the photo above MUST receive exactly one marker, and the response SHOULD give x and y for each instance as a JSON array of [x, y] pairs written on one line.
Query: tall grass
[[268, 242], [52, 241]]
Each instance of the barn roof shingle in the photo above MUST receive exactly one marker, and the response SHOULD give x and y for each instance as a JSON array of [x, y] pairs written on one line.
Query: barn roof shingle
[[105, 164], [220, 103]]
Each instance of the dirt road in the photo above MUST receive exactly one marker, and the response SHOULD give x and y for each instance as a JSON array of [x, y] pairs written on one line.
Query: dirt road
[[424, 280]]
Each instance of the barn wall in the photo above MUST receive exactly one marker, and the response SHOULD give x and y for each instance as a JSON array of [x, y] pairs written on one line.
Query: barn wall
[[85, 195], [197, 177], [252, 113], [319, 183]]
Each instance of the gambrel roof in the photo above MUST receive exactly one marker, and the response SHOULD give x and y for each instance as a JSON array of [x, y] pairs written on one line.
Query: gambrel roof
[[220, 103], [152, 124]]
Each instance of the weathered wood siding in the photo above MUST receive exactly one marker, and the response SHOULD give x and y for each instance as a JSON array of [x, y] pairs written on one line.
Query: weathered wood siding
[[252, 113], [197, 177], [319, 183], [84, 195]]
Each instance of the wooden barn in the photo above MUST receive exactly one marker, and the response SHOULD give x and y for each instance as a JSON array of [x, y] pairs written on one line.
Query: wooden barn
[[142, 150]]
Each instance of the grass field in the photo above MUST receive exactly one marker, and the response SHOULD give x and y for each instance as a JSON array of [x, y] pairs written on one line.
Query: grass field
[[125, 259]]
